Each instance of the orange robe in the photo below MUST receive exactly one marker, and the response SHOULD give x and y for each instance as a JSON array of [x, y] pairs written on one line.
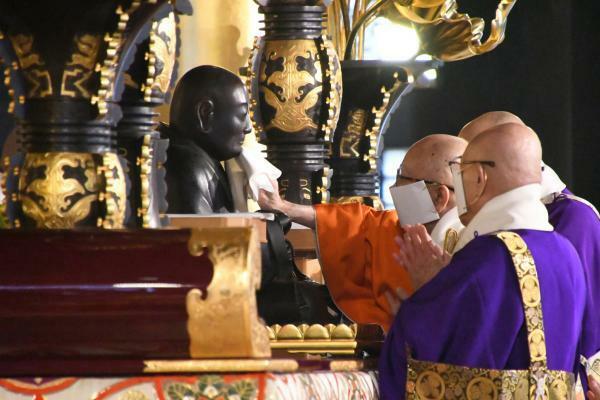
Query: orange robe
[[356, 247]]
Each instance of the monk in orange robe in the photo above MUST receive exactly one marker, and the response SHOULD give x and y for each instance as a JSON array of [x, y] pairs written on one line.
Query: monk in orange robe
[[356, 242]]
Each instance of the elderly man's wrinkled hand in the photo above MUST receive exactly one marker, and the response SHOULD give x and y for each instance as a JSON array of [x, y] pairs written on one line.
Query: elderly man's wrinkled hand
[[422, 258], [270, 201]]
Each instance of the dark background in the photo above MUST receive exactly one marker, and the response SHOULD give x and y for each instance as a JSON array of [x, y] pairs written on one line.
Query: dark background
[[547, 71]]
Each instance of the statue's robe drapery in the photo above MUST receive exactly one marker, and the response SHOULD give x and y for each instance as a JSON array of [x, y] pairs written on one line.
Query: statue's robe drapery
[[578, 221], [196, 182], [356, 247], [471, 313]]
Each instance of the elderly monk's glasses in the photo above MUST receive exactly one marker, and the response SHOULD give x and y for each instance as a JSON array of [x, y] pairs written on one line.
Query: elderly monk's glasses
[[458, 163], [411, 179]]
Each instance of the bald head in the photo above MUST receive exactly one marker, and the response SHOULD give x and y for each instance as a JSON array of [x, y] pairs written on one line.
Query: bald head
[[428, 158], [516, 152], [487, 121]]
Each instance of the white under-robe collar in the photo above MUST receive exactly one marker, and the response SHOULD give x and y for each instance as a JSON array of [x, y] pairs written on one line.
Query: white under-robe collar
[[551, 184], [448, 221], [519, 208]]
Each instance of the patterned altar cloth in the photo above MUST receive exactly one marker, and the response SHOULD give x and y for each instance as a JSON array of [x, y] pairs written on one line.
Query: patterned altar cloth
[[262, 386]]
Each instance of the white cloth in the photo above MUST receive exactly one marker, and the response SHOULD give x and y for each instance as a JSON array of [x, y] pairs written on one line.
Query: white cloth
[[448, 221], [519, 208], [551, 182], [248, 173]]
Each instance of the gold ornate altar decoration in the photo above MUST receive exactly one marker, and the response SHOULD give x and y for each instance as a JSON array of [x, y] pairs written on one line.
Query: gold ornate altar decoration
[[444, 32], [428, 381], [82, 99], [224, 322], [314, 339]]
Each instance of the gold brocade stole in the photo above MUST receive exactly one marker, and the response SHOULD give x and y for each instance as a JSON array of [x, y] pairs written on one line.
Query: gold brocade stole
[[435, 381]]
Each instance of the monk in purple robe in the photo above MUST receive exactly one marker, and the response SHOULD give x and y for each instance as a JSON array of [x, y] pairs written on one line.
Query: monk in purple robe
[[571, 216], [471, 312]]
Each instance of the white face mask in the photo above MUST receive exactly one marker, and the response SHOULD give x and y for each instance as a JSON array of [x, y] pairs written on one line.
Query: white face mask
[[459, 189], [413, 204]]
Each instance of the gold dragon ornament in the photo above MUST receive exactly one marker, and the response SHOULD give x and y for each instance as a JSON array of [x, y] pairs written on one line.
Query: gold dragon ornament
[[57, 190], [293, 90]]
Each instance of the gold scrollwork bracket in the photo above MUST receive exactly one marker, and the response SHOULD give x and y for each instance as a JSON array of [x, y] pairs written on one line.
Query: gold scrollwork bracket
[[114, 194], [107, 69], [7, 69], [163, 42], [225, 323], [145, 164], [250, 76], [378, 115], [333, 75]]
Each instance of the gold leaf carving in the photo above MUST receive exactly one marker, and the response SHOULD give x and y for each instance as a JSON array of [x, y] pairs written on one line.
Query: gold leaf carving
[[49, 196], [357, 122], [284, 90], [81, 67], [23, 45], [226, 324], [161, 58]]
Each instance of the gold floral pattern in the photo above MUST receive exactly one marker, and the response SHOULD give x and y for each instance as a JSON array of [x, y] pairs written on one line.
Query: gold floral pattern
[[213, 387]]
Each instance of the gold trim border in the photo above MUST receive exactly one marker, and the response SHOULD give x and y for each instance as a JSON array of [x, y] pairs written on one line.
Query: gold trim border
[[216, 365]]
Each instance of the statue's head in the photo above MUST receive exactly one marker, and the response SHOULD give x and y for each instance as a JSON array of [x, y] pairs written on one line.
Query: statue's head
[[210, 107]]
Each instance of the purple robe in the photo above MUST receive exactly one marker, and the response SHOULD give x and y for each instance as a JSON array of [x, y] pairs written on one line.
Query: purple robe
[[579, 223], [471, 313]]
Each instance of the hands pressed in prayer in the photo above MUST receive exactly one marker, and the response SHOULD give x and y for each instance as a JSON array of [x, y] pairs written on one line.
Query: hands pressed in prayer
[[594, 389], [421, 257]]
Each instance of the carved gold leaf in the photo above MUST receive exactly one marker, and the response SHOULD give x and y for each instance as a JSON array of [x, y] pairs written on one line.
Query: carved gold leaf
[[80, 68], [225, 324], [449, 35], [291, 103], [163, 41], [357, 122], [219, 365], [55, 200]]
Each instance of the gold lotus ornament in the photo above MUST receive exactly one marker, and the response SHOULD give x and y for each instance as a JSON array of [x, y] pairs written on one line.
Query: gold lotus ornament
[[443, 31], [450, 35]]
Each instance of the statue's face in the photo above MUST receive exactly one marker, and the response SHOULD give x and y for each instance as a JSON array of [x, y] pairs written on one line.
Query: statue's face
[[231, 123]]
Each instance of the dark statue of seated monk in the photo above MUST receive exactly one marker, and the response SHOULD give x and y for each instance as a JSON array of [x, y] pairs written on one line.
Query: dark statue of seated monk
[[208, 122]]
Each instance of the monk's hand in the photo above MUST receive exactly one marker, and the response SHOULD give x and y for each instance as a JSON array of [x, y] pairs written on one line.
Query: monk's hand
[[395, 298], [419, 255], [594, 389], [270, 201]]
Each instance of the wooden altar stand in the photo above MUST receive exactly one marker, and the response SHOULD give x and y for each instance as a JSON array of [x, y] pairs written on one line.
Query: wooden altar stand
[[161, 314]]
